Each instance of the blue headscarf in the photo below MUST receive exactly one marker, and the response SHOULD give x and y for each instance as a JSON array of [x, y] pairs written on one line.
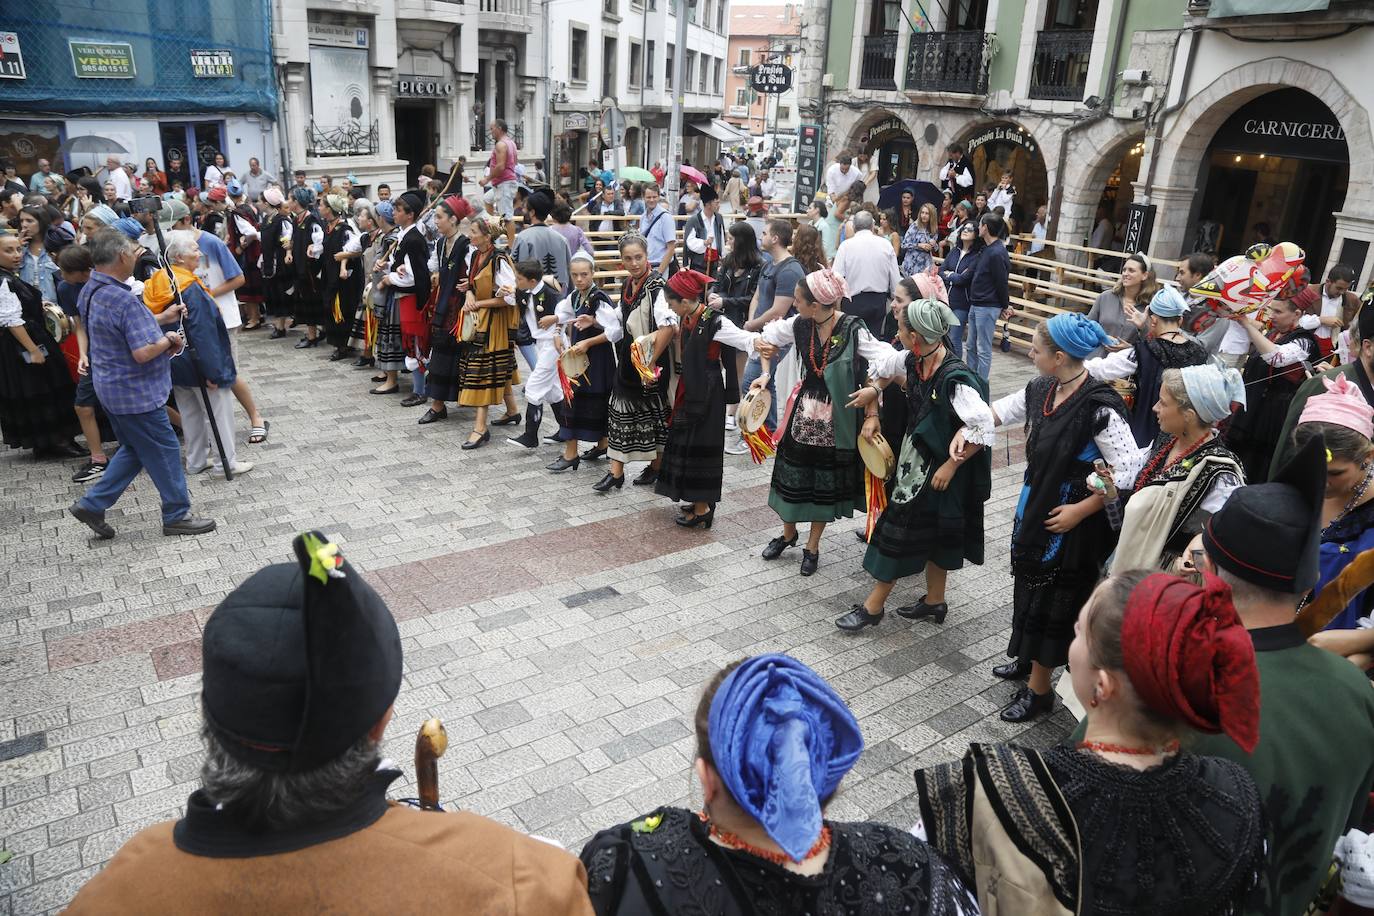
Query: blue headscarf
[[1212, 389], [782, 740], [303, 196], [1168, 303], [386, 210], [1076, 334], [129, 226]]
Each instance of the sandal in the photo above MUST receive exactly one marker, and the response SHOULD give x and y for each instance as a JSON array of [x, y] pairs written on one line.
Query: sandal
[[258, 434]]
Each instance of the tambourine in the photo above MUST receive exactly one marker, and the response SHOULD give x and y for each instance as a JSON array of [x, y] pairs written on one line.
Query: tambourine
[[56, 321], [877, 456], [753, 410], [1126, 388], [575, 363], [467, 327]]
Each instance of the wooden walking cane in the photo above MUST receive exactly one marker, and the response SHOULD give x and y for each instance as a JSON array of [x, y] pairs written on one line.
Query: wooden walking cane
[[430, 744]]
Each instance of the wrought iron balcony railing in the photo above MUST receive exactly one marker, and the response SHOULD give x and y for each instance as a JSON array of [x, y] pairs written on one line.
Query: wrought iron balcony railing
[[1060, 68], [879, 65], [344, 140], [947, 62]]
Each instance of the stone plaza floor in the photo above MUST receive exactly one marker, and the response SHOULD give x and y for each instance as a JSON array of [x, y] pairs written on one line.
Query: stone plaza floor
[[562, 635]]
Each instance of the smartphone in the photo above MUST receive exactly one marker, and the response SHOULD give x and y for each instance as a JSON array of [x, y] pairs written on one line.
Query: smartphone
[[29, 359]]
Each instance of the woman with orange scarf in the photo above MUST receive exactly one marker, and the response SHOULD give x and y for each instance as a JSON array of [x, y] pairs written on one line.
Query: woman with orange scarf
[[207, 359]]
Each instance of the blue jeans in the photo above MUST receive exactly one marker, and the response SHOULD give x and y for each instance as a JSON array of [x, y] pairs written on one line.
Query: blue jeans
[[146, 442], [752, 370], [956, 333], [982, 321]]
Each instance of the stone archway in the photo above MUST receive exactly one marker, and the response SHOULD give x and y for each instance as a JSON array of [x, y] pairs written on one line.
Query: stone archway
[[1103, 145], [1181, 153], [993, 146]]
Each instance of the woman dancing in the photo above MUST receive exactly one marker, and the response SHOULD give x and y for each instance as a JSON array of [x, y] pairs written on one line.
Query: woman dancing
[[450, 263], [594, 327], [486, 367]]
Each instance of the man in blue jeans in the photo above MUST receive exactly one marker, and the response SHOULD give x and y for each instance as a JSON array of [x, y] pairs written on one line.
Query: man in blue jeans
[[130, 356], [988, 295], [772, 300]]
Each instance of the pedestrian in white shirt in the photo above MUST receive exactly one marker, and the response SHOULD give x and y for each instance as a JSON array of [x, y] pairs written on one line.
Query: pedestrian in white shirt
[[868, 264], [1004, 195], [840, 176], [115, 175]]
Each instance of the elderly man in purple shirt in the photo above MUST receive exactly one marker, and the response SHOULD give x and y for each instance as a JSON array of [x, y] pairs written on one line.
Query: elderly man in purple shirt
[[130, 355]]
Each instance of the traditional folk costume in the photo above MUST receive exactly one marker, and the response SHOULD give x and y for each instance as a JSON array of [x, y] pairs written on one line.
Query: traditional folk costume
[[1171, 500], [1271, 381], [674, 861], [922, 524], [341, 294], [1055, 573], [35, 401], [307, 242], [637, 424], [585, 417], [487, 364], [243, 231], [278, 277], [450, 264], [389, 348], [693, 466], [543, 387]]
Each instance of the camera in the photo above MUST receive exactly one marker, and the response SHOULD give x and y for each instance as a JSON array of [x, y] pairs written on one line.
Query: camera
[[145, 204]]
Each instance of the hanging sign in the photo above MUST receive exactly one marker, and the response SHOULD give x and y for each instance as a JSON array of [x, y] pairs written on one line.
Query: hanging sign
[[772, 77], [1140, 224], [216, 64], [576, 120], [109, 60], [808, 166], [11, 60]]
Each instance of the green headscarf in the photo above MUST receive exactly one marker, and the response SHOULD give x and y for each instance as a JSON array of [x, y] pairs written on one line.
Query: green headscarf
[[930, 318]]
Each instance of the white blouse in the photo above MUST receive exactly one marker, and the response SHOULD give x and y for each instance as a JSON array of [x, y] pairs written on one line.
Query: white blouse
[[1222, 487], [607, 316], [505, 275], [781, 333], [11, 309], [1115, 442], [968, 404], [246, 230]]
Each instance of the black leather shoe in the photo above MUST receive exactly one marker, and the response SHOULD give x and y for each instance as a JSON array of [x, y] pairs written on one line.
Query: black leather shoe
[[364, 362], [1013, 671], [691, 520], [277, 334], [306, 343], [93, 520], [777, 546], [413, 400], [432, 416], [921, 610], [861, 535], [338, 354], [858, 618], [188, 525], [510, 419], [647, 477], [1027, 705], [810, 561], [552, 439], [609, 482], [562, 464], [478, 442], [592, 454]]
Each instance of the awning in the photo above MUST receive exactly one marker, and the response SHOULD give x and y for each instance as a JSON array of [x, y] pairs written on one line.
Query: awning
[[1222, 9], [717, 129]]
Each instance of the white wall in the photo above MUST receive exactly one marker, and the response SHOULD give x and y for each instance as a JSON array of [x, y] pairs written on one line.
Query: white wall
[[245, 136]]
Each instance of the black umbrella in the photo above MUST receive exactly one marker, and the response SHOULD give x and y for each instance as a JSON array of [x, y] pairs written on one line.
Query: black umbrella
[[91, 144], [923, 192]]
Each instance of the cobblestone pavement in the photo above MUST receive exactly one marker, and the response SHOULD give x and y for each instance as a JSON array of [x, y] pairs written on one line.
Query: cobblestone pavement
[[562, 635]]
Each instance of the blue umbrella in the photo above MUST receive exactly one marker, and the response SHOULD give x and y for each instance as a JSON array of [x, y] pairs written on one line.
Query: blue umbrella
[[923, 192]]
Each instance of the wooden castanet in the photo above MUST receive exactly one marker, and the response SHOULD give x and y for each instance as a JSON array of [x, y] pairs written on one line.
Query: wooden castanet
[[430, 744]]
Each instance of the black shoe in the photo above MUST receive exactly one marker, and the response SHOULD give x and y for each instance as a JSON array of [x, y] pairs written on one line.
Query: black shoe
[[809, 562], [277, 334], [305, 343], [66, 450], [1027, 705], [338, 354], [920, 609], [592, 454], [364, 362], [379, 390], [691, 520], [563, 464], [777, 546], [188, 525], [433, 416], [864, 539], [609, 482], [1013, 671], [509, 419], [534, 415], [647, 477], [413, 400], [93, 520], [553, 439], [858, 618], [478, 442]]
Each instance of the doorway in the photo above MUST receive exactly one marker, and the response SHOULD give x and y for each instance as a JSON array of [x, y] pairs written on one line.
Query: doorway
[[417, 140], [195, 144]]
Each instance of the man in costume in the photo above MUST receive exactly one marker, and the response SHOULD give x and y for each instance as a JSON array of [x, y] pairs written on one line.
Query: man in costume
[[302, 665]]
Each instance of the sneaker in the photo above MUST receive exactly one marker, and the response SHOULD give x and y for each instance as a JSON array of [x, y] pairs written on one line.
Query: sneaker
[[730, 422], [737, 447], [242, 467], [90, 471]]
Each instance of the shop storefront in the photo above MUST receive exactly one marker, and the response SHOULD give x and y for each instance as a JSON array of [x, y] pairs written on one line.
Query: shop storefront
[[1003, 146], [892, 150]]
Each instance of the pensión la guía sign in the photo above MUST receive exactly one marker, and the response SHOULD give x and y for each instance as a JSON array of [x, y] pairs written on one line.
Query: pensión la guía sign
[[102, 59]]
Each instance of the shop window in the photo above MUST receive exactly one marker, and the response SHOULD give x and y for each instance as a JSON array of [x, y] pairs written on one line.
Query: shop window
[[577, 54]]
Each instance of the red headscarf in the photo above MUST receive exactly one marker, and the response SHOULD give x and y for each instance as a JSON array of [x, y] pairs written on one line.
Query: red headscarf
[[689, 284], [1189, 658], [459, 205]]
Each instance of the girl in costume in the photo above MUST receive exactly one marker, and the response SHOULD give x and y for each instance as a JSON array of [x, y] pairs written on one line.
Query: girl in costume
[[935, 518], [817, 474], [307, 241], [486, 367], [636, 429], [343, 286], [1125, 822], [694, 458], [278, 275], [1061, 537], [450, 263], [593, 324], [1189, 474], [406, 283]]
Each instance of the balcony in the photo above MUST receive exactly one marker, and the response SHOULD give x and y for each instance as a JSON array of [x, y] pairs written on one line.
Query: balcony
[[947, 62], [1060, 68], [505, 15], [353, 139], [879, 65]]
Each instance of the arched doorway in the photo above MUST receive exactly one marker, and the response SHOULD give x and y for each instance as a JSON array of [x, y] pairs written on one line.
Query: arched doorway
[[1277, 168], [1001, 147], [892, 148]]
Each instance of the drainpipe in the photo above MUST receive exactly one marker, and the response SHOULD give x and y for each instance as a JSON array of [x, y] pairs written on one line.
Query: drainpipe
[[1148, 185]]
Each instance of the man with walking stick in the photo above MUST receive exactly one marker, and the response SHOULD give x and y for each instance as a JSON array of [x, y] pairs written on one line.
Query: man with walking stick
[[130, 355]]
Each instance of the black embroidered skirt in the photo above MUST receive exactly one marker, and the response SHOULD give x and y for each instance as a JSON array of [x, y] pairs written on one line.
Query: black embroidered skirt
[[388, 350], [694, 457], [636, 427]]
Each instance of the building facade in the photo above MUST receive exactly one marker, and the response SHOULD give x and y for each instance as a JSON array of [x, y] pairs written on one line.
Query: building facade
[[763, 33], [1221, 116], [379, 89], [620, 54], [145, 77]]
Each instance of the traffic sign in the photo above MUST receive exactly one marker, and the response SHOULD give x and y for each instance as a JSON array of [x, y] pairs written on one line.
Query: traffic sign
[[613, 126], [772, 77]]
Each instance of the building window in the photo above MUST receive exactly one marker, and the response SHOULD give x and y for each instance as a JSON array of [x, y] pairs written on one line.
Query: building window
[[706, 12], [687, 74], [610, 7], [668, 74], [717, 75], [608, 55], [636, 62], [705, 72], [743, 57], [741, 97], [577, 54], [649, 66], [720, 17], [783, 113]]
